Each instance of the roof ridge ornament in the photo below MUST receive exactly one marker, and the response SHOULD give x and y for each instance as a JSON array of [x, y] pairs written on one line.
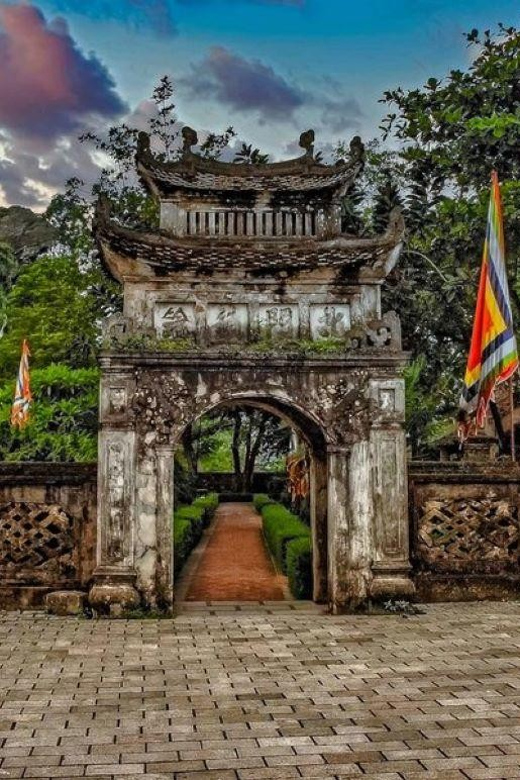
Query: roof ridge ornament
[[190, 139], [357, 150], [307, 142]]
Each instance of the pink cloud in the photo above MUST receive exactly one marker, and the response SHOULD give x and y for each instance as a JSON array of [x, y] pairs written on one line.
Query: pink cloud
[[48, 86]]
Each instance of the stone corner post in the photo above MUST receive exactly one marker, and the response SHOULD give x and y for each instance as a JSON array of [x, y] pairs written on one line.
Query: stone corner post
[[114, 588], [164, 526], [391, 555]]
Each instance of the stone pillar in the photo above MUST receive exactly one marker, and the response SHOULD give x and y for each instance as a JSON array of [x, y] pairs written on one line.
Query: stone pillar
[[391, 557], [153, 527], [114, 577], [164, 525], [350, 526], [318, 511]]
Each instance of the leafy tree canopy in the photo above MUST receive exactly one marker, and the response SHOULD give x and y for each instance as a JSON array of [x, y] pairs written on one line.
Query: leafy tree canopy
[[448, 136], [63, 423]]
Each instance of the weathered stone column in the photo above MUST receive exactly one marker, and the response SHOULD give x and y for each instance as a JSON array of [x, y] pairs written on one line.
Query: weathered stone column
[[350, 526], [164, 526], [318, 510], [153, 526], [114, 577], [391, 561]]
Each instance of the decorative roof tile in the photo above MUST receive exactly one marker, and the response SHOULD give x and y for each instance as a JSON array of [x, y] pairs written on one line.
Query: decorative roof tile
[[164, 254], [195, 173]]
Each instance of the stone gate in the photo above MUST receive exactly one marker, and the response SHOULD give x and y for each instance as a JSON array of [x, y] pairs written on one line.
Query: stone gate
[[250, 293]]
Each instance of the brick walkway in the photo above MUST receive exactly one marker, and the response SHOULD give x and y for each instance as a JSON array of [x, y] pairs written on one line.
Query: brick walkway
[[234, 564], [260, 695]]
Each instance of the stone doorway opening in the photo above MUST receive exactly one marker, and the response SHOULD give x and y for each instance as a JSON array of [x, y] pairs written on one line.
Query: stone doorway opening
[[215, 573]]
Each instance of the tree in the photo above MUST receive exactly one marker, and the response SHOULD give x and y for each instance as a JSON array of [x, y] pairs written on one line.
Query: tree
[[52, 303], [8, 269], [451, 134], [72, 211], [238, 440], [64, 417], [246, 154]]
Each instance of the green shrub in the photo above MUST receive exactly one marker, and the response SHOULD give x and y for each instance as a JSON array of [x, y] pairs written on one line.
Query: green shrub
[[260, 500], [208, 504], [280, 526], [63, 422], [299, 567], [188, 525], [182, 543]]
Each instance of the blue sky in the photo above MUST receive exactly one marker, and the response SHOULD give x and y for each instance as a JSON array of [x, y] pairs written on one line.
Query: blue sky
[[271, 68]]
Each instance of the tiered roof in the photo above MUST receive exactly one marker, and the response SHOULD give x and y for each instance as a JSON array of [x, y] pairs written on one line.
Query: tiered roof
[[196, 174], [162, 254], [137, 253]]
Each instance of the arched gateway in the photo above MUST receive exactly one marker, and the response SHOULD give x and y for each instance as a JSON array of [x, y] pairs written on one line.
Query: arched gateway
[[249, 292]]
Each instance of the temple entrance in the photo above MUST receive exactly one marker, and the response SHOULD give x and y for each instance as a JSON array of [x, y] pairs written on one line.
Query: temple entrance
[[251, 293], [297, 493]]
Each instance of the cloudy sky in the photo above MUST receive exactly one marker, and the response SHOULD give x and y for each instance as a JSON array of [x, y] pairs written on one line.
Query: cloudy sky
[[270, 68]]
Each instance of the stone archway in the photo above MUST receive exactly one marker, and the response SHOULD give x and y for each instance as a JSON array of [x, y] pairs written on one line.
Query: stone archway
[[249, 288], [358, 465]]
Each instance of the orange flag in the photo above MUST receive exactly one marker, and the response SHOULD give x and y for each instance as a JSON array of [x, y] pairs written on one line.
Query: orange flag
[[22, 395]]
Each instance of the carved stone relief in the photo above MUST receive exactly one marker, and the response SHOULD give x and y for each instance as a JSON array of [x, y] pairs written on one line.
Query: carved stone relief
[[175, 320], [278, 321], [116, 489], [117, 400], [115, 503], [387, 400], [226, 323], [329, 321]]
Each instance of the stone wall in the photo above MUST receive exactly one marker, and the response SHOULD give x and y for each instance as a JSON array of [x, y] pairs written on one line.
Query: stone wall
[[223, 482], [47, 530], [465, 530]]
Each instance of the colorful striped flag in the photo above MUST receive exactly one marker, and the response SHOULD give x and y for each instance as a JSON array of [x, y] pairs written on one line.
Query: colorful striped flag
[[22, 394], [493, 355]]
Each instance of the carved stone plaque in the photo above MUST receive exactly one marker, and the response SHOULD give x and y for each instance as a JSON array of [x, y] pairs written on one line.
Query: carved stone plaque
[[226, 322], [278, 320], [330, 320], [175, 320], [117, 400], [387, 400]]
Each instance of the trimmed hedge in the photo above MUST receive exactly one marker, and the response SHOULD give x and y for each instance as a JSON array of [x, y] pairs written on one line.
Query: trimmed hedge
[[280, 526], [209, 504], [260, 500], [289, 541], [189, 523], [299, 567]]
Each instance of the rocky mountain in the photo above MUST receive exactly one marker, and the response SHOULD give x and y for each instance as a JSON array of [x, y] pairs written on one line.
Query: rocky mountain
[[28, 233]]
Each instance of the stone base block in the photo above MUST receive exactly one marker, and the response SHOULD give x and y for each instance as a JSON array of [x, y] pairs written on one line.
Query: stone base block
[[113, 600], [65, 602], [459, 587], [391, 586], [13, 597]]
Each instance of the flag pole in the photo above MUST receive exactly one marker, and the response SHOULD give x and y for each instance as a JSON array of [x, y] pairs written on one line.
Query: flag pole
[[512, 410]]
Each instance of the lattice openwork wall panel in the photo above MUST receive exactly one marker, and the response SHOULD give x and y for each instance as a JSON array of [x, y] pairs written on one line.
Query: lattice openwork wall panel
[[36, 538], [468, 535]]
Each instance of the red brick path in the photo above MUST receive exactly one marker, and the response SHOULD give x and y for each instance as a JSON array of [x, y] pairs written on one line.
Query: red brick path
[[235, 565]]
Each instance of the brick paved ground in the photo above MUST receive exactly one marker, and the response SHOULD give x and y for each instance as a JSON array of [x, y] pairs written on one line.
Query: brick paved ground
[[234, 563], [263, 692]]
